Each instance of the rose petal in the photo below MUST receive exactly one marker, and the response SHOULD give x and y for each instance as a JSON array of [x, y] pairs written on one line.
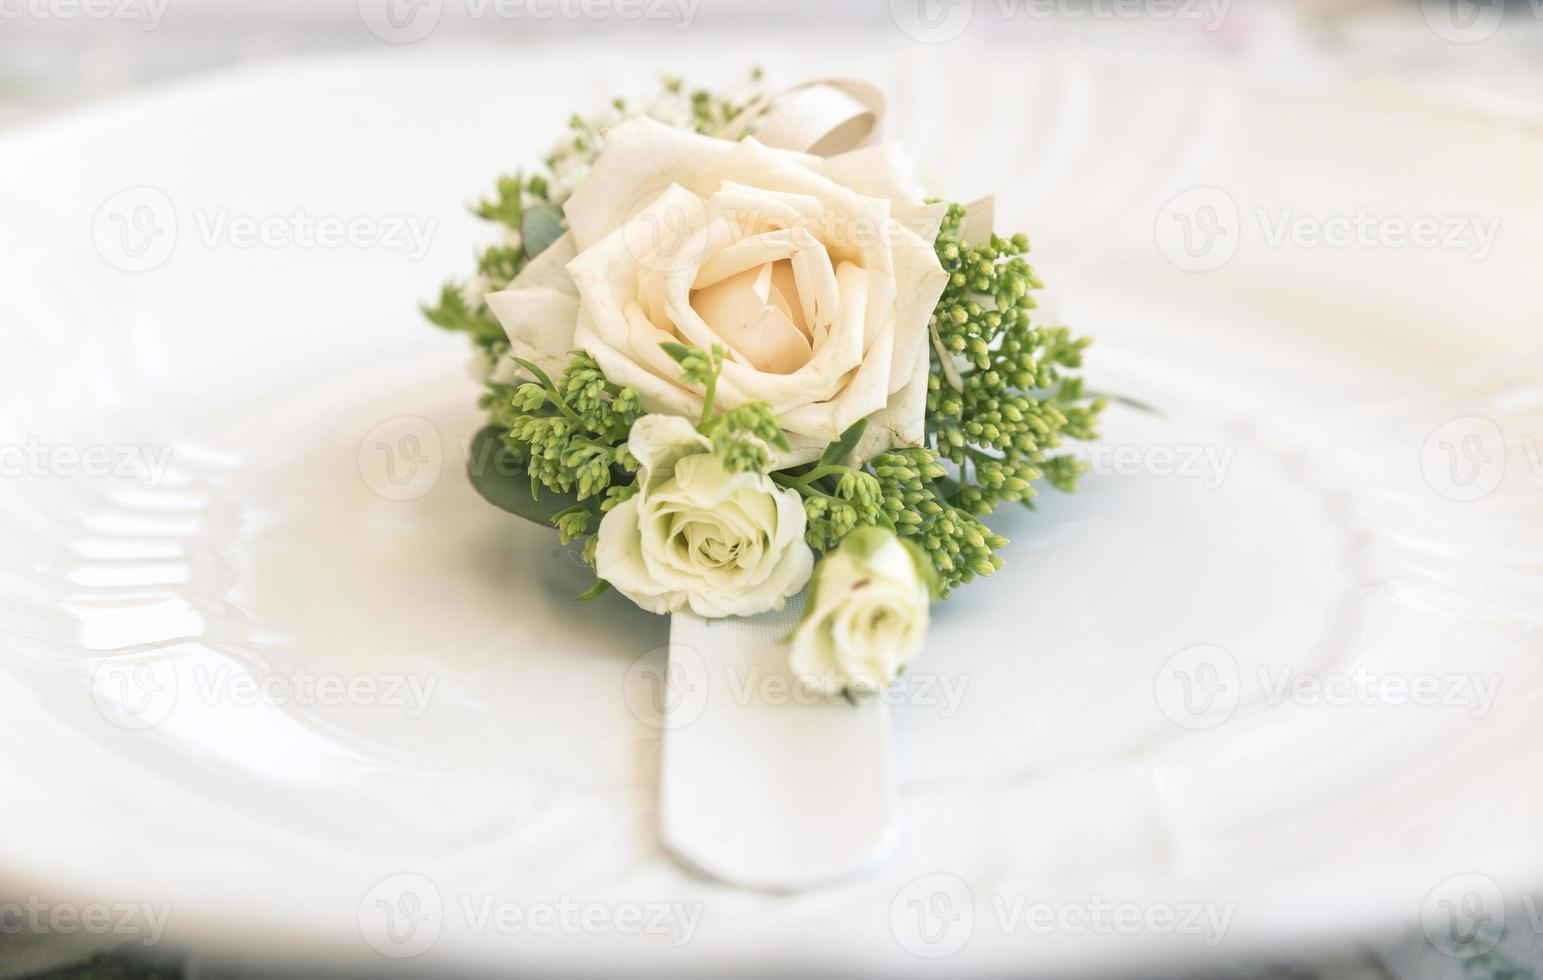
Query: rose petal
[[540, 324], [920, 279], [641, 158], [619, 561]]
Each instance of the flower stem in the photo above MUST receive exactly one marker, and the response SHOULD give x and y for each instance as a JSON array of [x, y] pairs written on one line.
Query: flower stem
[[817, 473], [709, 392]]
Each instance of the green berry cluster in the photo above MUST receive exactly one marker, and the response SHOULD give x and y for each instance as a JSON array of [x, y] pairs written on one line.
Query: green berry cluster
[[837, 499], [998, 402], [908, 491], [917, 497], [569, 436], [741, 434]]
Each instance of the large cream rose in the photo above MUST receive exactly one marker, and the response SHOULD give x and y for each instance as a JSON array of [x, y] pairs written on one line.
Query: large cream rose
[[694, 534], [816, 275]]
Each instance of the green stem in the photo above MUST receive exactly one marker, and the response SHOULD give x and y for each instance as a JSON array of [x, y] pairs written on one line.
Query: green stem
[[801, 485], [708, 394], [819, 472], [553, 394]]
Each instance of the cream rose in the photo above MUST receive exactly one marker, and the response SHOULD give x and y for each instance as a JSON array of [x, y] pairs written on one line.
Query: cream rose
[[694, 534], [866, 617], [815, 274]]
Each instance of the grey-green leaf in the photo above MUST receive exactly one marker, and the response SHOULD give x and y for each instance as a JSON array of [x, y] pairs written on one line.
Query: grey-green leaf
[[503, 482], [842, 448], [540, 227]]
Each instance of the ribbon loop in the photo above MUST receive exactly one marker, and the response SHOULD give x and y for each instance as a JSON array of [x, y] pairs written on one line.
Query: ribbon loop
[[824, 117]]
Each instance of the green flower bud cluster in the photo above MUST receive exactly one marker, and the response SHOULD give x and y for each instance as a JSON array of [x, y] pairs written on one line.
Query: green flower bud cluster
[[838, 499], [740, 437], [915, 488], [741, 434], [1000, 404], [570, 436]]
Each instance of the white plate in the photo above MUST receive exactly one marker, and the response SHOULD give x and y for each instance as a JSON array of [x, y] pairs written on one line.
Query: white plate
[[314, 522]]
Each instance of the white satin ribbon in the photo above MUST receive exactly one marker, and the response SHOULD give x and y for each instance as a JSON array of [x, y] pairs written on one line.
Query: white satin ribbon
[[823, 117], [760, 786]]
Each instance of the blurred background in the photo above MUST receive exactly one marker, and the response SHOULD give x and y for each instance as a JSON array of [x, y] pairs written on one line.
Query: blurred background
[[63, 56], [55, 54]]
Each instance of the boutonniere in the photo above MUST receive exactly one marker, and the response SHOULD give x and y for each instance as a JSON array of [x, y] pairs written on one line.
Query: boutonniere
[[730, 346]]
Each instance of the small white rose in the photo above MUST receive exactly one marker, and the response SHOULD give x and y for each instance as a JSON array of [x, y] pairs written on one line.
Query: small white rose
[[816, 274], [694, 534], [867, 615]]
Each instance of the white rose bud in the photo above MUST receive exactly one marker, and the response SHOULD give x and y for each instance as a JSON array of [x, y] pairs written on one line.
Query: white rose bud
[[695, 534], [866, 616]]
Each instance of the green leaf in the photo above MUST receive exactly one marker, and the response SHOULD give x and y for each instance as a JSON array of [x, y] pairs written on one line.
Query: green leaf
[[505, 484], [539, 228], [677, 351], [595, 591], [842, 448]]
